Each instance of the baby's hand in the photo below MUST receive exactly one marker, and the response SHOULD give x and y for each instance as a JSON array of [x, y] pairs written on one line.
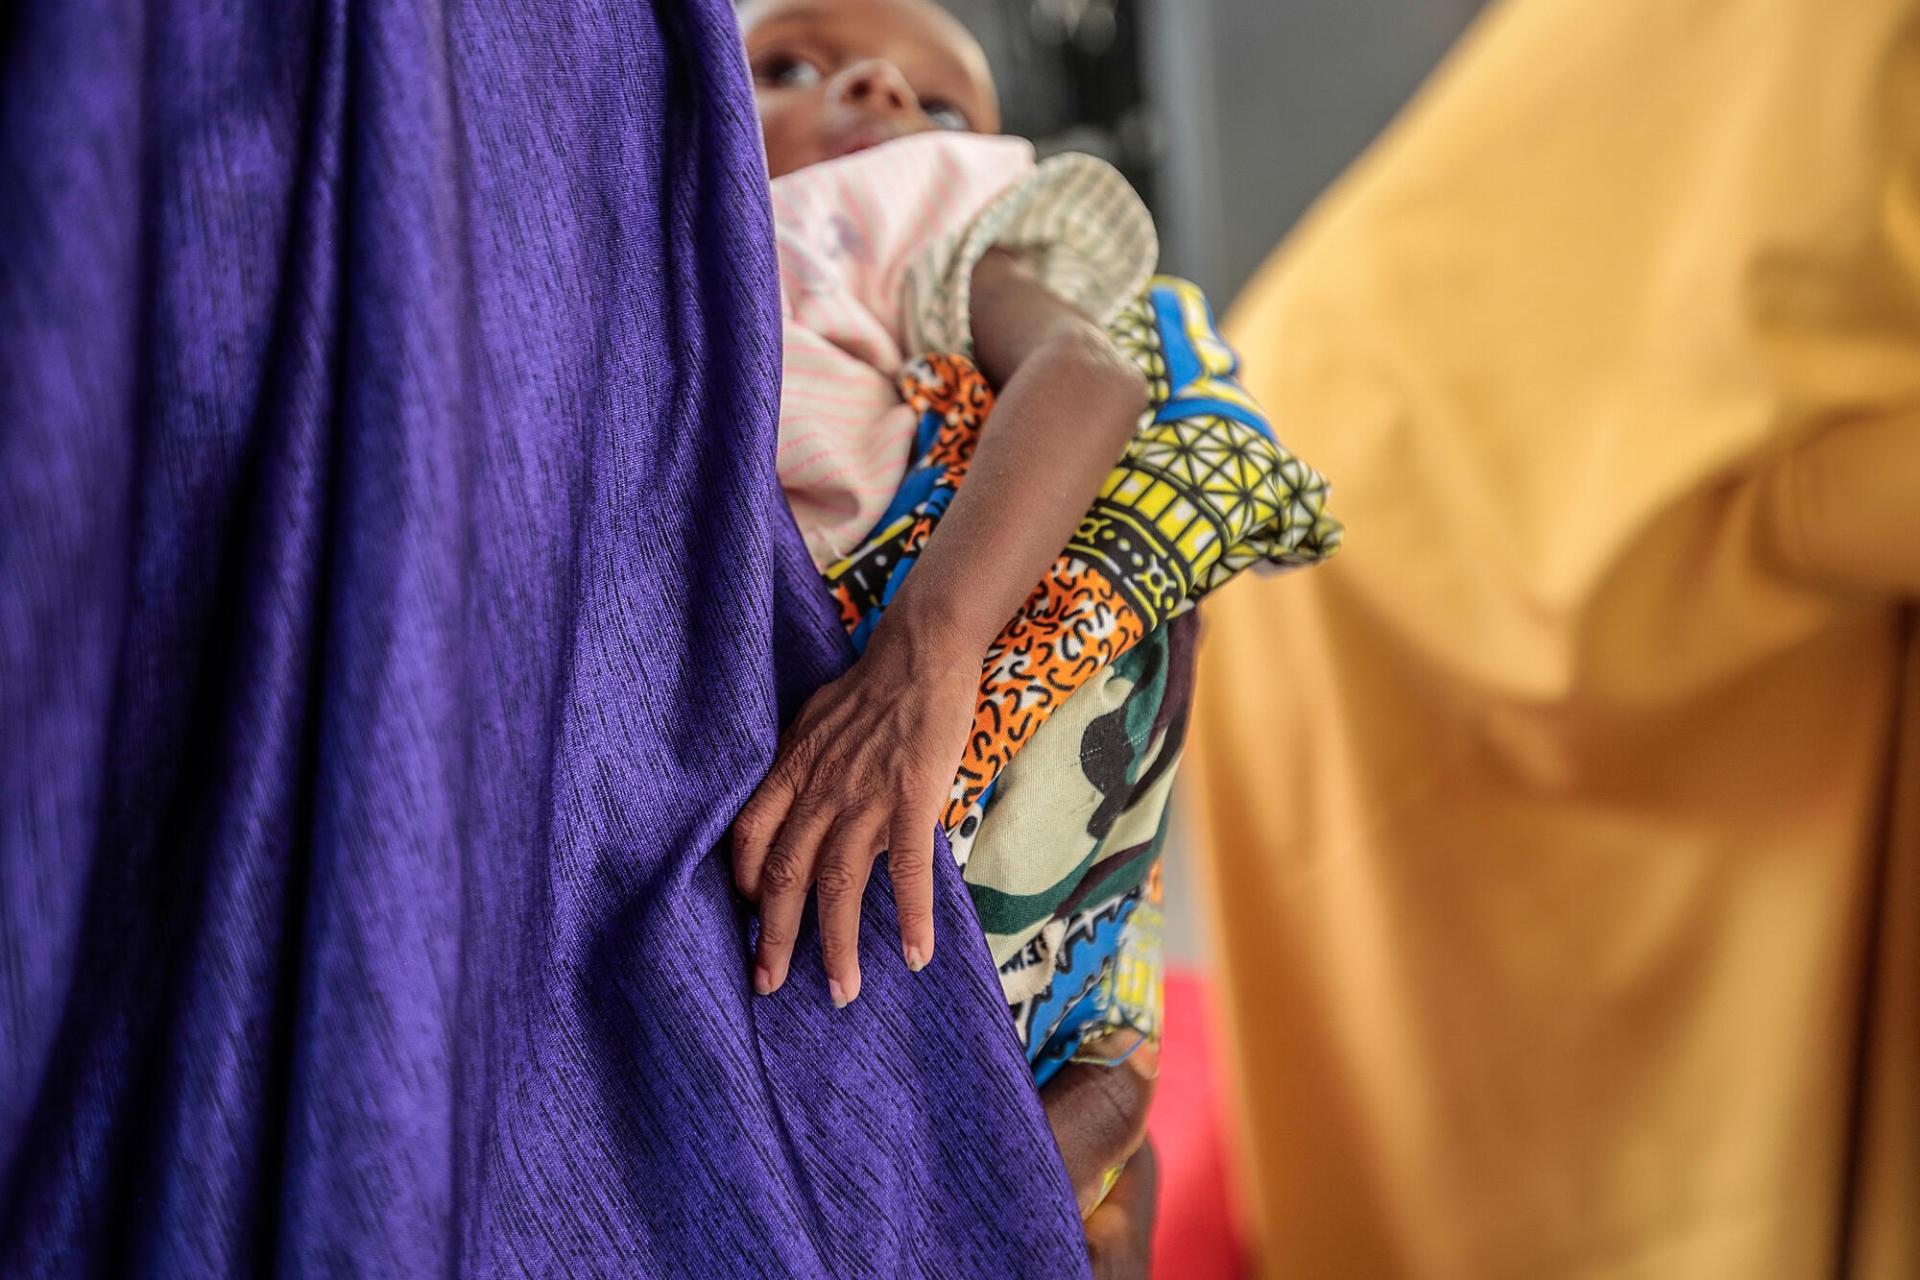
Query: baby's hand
[[867, 766]]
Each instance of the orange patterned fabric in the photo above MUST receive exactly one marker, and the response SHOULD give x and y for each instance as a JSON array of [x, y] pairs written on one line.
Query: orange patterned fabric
[[1075, 622]]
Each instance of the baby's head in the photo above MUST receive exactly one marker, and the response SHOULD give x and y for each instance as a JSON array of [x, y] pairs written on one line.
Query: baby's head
[[832, 77]]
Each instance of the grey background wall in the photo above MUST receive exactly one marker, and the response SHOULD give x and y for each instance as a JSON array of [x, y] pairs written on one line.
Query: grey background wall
[[1251, 107], [1264, 103]]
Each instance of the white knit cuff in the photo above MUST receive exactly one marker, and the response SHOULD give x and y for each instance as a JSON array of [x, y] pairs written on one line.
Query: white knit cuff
[[1075, 222]]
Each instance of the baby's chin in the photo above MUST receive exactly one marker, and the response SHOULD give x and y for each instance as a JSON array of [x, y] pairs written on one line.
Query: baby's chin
[[790, 150], [789, 157], [782, 160], [793, 159]]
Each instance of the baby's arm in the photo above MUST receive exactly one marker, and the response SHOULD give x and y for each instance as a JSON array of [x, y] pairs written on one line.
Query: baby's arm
[[869, 762]]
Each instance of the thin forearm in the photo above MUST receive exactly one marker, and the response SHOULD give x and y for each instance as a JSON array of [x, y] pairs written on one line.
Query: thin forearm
[[1061, 420]]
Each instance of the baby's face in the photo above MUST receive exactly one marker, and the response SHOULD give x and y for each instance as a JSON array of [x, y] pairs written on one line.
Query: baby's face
[[832, 77]]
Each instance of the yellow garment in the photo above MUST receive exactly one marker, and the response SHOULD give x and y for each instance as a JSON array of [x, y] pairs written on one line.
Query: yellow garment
[[1581, 936]]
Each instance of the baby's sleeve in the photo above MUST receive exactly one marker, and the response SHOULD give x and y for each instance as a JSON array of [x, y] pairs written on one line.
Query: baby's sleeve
[[1078, 224], [850, 230]]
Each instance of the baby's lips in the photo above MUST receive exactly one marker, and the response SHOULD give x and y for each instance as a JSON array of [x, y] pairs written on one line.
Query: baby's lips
[[863, 137]]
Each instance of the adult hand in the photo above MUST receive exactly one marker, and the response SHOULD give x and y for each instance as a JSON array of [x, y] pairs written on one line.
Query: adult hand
[[1120, 1232], [867, 765], [1099, 1119]]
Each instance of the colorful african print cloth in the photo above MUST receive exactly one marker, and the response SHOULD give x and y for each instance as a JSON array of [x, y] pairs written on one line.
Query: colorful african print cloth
[[1059, 808]]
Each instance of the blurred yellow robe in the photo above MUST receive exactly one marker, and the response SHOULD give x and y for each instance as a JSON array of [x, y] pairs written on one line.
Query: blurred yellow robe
[[1581, 936]]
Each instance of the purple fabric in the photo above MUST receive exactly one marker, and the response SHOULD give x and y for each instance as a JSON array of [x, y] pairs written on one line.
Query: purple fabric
[[396, 602]]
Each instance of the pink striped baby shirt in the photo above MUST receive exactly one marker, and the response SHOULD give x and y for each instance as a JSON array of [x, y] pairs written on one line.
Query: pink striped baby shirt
[[877, 251]]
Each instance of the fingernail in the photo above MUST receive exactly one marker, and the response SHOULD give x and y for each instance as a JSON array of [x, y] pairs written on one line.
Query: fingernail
[[837, 992], [763, 980], [915, 960]]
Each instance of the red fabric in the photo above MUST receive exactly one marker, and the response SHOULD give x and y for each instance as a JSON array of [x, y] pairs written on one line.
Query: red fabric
[[1196, 1237]]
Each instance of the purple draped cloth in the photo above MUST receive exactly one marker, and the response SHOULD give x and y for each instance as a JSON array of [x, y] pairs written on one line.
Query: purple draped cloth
[[396, 603]]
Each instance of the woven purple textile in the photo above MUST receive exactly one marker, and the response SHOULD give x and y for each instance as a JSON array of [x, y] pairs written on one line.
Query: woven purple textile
[[396, 603]]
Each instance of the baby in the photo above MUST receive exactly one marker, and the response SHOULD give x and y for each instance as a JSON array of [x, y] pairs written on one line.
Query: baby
[[904, 229]]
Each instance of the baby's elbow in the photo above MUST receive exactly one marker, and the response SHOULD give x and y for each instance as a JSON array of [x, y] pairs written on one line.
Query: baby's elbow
[[1104, 370]]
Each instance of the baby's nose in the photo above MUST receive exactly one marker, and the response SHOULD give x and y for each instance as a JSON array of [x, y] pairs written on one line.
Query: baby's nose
[[876, 85]]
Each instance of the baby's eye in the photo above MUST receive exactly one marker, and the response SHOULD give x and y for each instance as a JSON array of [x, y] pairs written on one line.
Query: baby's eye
[[945, 115], [784, 71]]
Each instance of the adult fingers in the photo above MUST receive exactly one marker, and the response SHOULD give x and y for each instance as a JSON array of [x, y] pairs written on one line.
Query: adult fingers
[[784, 880], [1120, 1231], [759, 820], [1099, 1117], [910, 864], [841, 879]]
